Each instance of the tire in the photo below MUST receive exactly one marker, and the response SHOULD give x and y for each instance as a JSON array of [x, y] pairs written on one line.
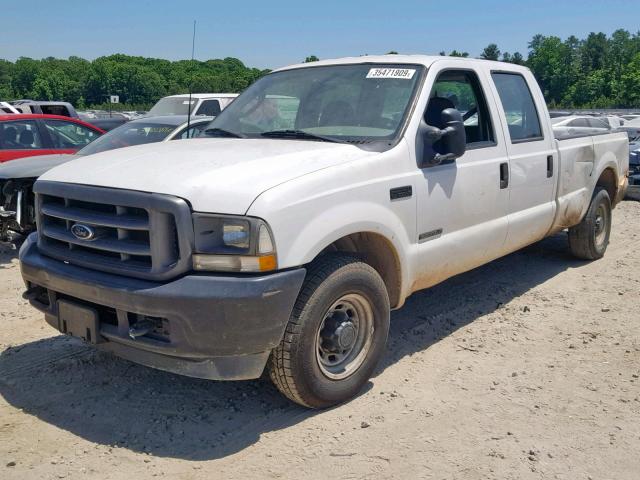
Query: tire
[[589, 239], [343, 302]]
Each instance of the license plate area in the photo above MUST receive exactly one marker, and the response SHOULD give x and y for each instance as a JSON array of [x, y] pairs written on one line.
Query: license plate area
[[79, 321]]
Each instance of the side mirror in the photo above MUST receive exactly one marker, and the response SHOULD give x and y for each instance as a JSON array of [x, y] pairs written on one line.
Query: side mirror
[[435, 146]]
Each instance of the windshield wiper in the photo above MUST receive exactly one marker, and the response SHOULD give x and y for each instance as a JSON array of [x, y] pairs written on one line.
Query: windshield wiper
[[298, 134], [221, 132]]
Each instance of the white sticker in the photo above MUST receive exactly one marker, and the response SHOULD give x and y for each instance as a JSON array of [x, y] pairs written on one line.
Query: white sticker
[[187, 102], [404, 73]]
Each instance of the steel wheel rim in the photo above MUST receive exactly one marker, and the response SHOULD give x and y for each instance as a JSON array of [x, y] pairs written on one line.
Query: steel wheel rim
[[600, 225], [350, 317]]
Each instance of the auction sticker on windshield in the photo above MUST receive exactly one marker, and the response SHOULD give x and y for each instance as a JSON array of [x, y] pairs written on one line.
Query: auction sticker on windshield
[[405, 73]]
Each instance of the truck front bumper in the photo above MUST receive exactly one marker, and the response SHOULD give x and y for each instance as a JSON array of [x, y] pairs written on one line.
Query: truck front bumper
[[220, 327]]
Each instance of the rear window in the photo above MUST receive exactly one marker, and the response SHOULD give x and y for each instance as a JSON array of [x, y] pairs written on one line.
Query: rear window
[[127, 135]]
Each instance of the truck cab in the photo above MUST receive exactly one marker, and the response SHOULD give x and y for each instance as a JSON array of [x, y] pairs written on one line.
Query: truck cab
[[323, 197]]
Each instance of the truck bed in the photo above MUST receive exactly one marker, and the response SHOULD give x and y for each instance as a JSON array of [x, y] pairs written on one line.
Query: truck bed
[[582, 158]]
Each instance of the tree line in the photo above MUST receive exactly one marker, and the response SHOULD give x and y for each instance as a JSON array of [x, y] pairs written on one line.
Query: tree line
[[138, 81], [599, 71]]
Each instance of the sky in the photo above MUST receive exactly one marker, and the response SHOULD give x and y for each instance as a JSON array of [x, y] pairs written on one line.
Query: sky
[[268, 34]]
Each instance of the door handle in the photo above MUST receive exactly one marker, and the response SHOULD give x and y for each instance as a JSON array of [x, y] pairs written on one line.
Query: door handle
[[504, 175], [550, 166]]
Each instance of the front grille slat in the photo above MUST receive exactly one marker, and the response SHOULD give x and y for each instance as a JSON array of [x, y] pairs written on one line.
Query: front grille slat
[[106, 244], [128, 222], [132, 233]]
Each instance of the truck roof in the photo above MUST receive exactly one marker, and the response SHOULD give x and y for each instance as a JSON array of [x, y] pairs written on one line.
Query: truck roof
[[426, 60], [205, 95]]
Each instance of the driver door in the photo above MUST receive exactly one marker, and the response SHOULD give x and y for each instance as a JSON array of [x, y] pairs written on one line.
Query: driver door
[[462, 205]]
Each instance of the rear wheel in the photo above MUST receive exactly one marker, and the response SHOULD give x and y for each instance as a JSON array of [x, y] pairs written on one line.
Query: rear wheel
[[336, 334], [589, 239]]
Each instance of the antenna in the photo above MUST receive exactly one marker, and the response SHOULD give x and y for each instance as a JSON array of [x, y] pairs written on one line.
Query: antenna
[[193, 48]]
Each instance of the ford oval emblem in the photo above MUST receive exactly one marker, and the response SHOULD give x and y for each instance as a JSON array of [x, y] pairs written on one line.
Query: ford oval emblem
[[83, 232]]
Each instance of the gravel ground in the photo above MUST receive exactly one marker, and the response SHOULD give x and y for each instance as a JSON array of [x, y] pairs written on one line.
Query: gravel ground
[[524, 368]]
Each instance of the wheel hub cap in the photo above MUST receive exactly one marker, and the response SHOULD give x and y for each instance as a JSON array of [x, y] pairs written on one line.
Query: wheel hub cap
[[344, 336]]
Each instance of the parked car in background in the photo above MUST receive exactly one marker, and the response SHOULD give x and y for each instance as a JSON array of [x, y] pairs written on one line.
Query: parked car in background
[[105, 120], [6, 108], [25, 135], [64, 109], [579, 125], [633, 191], [614, 121], [17, 177], [632, 127], [284, 243], [207, 104]]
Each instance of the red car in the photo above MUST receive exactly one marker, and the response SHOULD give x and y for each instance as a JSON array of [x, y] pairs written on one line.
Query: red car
[[36, 134]]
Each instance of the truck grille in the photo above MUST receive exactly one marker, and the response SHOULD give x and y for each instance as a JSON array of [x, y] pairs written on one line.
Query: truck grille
[[117, 231]]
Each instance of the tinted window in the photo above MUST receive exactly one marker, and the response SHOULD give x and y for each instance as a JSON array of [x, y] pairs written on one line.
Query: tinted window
[[519, 107], [69, 134], [55, 110], [210, 108], [19, 135], [461, 90]]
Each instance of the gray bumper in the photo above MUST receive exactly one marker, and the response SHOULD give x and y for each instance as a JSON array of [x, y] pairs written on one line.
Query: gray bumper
[[210, 326]]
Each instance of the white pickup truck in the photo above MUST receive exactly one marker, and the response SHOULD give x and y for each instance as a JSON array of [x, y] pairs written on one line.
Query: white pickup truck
[[326, 194]]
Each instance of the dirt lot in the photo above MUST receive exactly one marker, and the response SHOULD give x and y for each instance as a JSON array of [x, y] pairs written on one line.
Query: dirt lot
[[525, 368]]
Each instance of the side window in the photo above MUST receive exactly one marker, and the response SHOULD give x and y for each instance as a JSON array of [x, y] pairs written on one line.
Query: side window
[[68, 134], [461, 89], [20, 135], [55, 110], [193, 131], [519, 107], [598, 123], [210, 108], [579, 122]]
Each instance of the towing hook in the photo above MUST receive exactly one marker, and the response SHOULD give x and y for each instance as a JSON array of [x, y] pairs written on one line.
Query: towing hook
[[140, 329]]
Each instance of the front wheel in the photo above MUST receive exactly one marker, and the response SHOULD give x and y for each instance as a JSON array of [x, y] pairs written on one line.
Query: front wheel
[[589, 239], [336, 334]]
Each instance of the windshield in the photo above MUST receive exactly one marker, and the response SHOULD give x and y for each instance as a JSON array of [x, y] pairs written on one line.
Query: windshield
[[344, 103], [173, 106], [127, 135]]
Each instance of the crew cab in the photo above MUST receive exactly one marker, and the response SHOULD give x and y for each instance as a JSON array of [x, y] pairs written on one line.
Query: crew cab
[[326, 194], [28, 135]]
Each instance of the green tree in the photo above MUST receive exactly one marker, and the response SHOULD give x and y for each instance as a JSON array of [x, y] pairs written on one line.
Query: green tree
[[490, 52], [311, 58]]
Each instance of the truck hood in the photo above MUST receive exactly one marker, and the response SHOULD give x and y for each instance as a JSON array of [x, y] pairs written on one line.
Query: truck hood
[[32, 167], [218, 175]]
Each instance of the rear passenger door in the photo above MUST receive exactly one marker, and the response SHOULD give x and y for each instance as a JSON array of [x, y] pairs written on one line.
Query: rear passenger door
[[21, 138], [532, 159], [462, 209]]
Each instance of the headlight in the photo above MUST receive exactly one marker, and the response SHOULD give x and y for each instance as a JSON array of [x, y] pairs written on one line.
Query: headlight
[[232, 244]]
